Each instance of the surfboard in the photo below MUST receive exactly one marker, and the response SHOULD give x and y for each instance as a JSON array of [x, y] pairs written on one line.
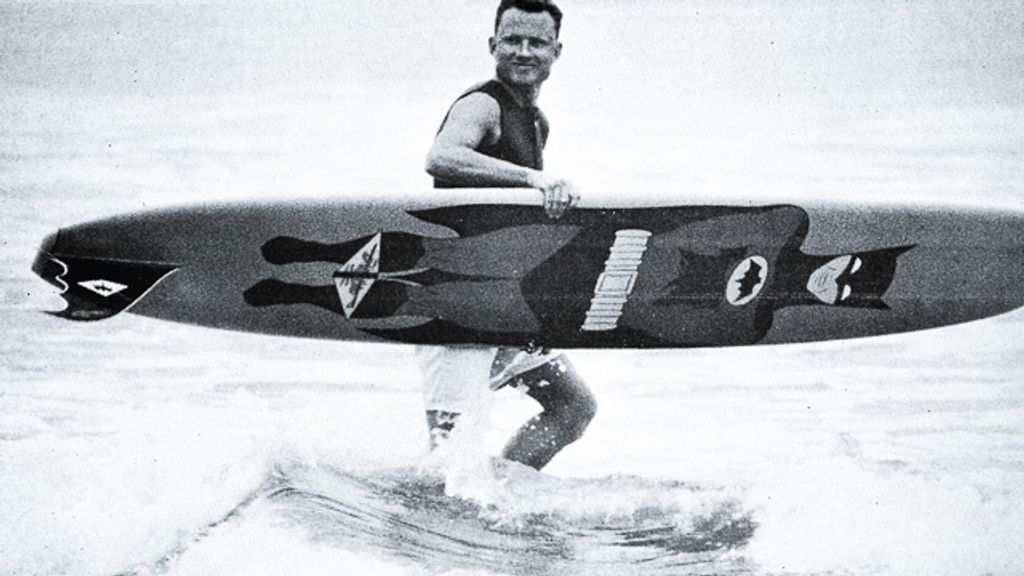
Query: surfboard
[[444, 268]]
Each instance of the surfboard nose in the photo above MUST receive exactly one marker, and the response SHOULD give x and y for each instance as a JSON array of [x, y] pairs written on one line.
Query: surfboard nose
[[45, 266], [95, 288]]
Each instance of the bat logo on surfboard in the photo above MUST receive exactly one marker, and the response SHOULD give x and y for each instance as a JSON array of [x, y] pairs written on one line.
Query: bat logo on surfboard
[[747, 280]]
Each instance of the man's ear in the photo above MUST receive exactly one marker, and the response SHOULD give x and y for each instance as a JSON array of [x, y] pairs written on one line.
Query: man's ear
[[558, 49], [492, 45]]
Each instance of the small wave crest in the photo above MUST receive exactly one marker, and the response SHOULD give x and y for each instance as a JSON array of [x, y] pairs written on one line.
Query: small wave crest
[[616, 524]]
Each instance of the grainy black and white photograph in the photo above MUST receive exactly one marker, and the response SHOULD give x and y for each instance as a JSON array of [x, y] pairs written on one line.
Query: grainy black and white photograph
[[512, 288]]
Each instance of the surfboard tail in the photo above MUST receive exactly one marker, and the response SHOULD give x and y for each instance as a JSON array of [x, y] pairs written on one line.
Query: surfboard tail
[[95, 288]]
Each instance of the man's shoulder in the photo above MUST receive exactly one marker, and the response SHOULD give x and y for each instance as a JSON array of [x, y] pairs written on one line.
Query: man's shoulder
[[483, 92], [484, 86], [476, 105]]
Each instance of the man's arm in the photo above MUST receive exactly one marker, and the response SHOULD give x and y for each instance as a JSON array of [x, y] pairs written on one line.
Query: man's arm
[[453, 156]]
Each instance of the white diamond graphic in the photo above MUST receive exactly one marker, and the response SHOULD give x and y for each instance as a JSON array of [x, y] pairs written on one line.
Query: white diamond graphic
[[354, 279], [105, 288]]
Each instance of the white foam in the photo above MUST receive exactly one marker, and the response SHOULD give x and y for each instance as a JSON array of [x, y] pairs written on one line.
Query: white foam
[[261, 546], [821, 515]]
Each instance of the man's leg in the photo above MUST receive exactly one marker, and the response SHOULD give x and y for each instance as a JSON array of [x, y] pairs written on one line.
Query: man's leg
[[454, 379], [568, 407]]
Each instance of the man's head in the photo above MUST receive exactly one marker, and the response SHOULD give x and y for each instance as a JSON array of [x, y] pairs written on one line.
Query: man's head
[[858, 280], [535, 6], [525, 42]]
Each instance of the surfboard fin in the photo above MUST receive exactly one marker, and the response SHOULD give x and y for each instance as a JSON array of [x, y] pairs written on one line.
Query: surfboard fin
[[94, 288]]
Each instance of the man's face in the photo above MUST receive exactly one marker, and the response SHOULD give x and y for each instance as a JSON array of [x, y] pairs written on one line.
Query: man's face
[[525, 46]]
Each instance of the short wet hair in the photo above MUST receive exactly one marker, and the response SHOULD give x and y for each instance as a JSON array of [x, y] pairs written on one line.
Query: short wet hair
[[530, 6]]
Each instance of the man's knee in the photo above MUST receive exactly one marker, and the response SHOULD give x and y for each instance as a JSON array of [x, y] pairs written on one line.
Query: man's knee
[[571, 409], [566, 399], [577, 414]]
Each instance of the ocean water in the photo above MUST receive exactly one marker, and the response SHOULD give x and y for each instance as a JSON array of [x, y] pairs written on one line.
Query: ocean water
[[133, 446]]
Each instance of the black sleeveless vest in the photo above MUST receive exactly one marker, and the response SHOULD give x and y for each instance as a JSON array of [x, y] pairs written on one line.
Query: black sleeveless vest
[[523, 131]]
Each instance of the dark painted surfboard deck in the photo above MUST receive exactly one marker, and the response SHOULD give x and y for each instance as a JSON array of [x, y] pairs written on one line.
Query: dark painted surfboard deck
[[446, 270]]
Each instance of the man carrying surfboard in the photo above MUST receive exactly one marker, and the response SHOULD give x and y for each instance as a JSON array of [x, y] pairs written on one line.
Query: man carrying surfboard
[[493, 137]]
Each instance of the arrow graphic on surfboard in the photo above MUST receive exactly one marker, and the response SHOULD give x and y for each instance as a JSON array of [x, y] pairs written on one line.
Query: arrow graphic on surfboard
[[355, 277]]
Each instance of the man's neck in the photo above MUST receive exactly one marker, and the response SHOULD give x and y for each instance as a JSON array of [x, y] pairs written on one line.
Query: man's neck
[[525, 95]]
